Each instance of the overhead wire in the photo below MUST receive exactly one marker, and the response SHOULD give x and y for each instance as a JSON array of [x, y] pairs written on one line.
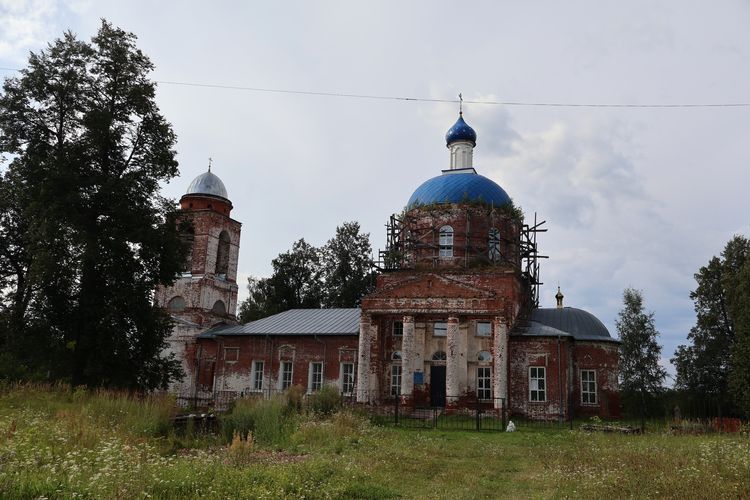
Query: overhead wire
[[439, 100]]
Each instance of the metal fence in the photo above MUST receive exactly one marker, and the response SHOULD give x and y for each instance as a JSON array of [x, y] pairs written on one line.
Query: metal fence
[[475, 414]]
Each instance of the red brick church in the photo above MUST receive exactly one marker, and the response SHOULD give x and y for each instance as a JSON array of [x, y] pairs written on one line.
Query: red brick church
[[453, 321]]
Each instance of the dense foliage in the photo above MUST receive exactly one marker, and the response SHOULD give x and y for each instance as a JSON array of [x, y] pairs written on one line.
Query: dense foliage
[[640, 372], [337, 274], [84, 235], [716, 362]]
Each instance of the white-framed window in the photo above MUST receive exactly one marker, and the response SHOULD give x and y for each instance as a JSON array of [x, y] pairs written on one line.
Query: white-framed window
[[347, 378], [258, 375], [395, 380], [440, 329], [439, 356], [445, 241], [537, 384], [398, 328], [285, 380], [315, 377], [484, 382], [231, 354], [588, 387], [484, 329]]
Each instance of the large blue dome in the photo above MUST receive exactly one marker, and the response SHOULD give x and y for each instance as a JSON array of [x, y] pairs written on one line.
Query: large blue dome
[[460, 131], [459, 188]]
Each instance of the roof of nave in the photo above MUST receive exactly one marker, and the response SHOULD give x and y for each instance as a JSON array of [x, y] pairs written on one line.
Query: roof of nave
[[342, 321], [565, 322]]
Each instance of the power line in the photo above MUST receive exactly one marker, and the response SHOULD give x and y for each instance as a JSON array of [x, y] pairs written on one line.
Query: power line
[[427, 99]]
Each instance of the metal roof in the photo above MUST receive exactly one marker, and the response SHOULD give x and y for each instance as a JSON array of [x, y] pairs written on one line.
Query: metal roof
[[459, 188], [296, 322], [208, 183], [566, 322]]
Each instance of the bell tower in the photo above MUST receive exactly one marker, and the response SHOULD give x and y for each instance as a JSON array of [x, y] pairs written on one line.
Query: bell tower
[[206, 292]]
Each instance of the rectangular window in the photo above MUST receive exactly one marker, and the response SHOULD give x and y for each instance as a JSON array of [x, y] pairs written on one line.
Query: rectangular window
[[347, 378], [537, 384], [484, 381], [315, 377], [398, 328], [588, 387], [440, 329], [286, 375], [395, 380], [231, 354], [484, 328], [257, 375]]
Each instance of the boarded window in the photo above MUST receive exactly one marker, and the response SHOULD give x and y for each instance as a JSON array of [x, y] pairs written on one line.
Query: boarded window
[[176, 304], [446, 241], [222, 254], [484, 328], [219, 308]]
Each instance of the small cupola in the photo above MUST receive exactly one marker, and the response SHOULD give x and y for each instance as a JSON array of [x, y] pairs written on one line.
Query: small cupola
[[559, 296], [461, 140], [207, 191]]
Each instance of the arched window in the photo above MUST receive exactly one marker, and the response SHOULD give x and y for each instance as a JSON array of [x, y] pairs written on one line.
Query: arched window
[[396, 356], [484, 356], [493, 245], [219, 307], [176, 304], [446, 241], [188, 238], [222, 254], [439, 356]]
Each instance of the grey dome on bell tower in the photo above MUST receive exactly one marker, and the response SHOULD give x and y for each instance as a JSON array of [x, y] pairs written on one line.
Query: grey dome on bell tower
[[208, 184]]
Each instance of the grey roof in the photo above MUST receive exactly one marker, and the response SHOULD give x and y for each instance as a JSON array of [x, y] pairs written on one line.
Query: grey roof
[[296, 322], [566, 322], [208, 183]]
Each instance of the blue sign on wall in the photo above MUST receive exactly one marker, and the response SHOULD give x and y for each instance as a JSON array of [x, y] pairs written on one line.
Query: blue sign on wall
[[418, 378]]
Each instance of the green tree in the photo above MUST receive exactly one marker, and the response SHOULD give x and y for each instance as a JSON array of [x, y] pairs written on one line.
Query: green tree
[[739, 306], [704, 366], [295, 282], [346, 266], [640, 373], [90, 235], [257, 304]]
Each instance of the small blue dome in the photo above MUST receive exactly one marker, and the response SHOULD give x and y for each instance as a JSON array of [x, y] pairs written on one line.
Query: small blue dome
[[460, 131], [459, 188]]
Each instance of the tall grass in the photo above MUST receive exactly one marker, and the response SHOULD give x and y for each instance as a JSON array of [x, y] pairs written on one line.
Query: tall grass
[[271, 421]]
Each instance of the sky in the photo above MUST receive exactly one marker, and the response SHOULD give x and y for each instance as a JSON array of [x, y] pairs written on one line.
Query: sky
[[632, 197]]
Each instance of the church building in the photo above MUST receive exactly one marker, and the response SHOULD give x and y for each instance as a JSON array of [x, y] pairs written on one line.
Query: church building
[[453, 321]]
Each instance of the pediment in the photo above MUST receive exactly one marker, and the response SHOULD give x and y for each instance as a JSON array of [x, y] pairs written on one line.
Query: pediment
[[433, 286]]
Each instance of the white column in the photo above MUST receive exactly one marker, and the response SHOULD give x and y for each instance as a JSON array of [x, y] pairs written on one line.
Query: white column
[[408, 352], [363, 366], [500, 361], [453, 367]]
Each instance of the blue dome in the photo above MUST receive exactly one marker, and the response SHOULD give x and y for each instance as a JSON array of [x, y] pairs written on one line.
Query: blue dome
[[458, 188], [460, 131]]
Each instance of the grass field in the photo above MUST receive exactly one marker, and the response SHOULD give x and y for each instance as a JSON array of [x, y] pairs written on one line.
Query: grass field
[[55, 443]]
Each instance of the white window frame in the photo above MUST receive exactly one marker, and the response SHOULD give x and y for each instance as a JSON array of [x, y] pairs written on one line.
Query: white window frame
[[258, 367], [346, 380], [537, 391], [440, 326], [480, 333], [588, 388], [484, 383], [314, 385], [284, 384], [445, 242], [396, 373]]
